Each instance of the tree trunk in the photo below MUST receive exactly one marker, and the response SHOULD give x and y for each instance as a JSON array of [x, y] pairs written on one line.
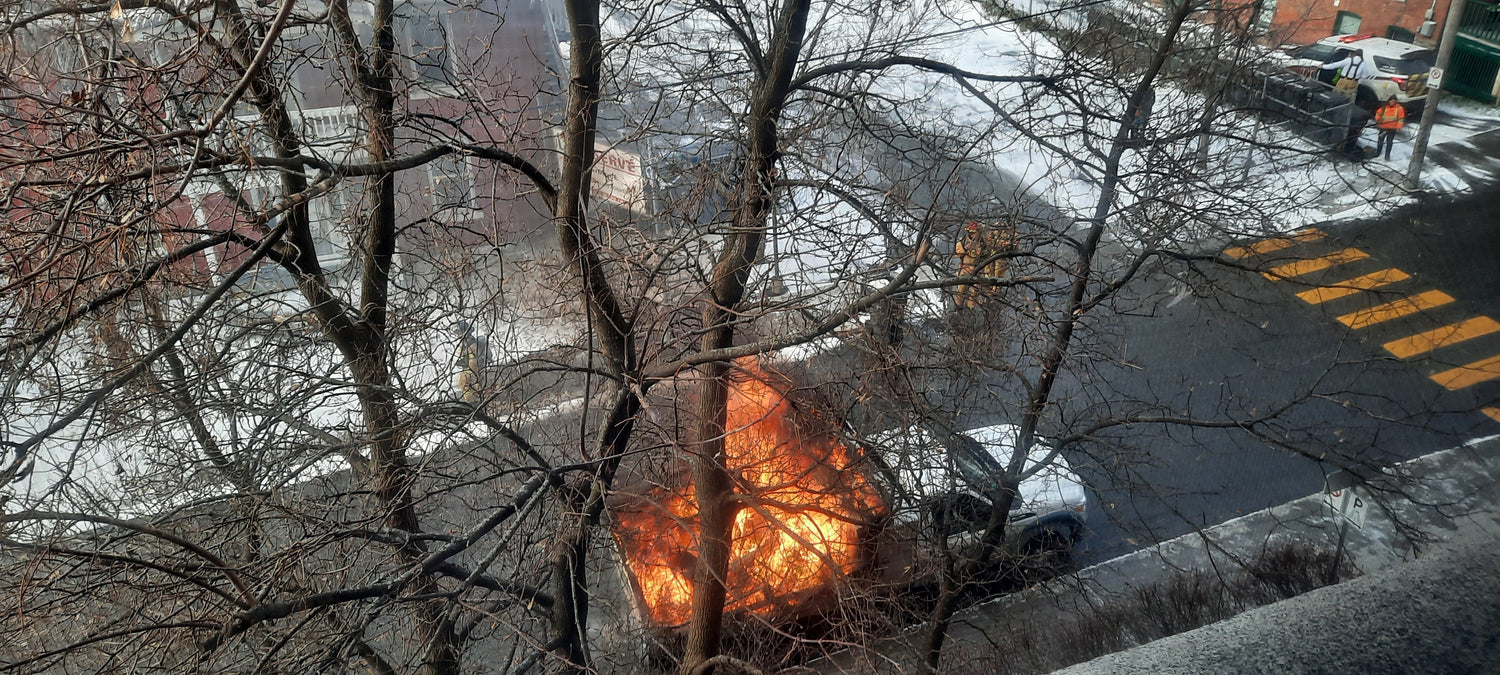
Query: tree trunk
[[1052, 362], [711, 489], [942, 611], [742, 249], [570, 579], [612, 328], [570, 585]]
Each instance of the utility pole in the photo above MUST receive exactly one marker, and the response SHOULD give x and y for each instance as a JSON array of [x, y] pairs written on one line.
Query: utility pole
[[1429, 110]]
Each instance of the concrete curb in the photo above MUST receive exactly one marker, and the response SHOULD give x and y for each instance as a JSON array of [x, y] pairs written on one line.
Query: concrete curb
[[1428, 548], [1429, 497]]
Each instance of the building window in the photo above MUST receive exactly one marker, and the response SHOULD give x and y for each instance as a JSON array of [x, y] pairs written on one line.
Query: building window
[[259, 199], [330, 215], [421, 36], [452, 180], [69, 65], [1265, 15], [267, 275], [427, 42], [1400, 34], [1346, 23]]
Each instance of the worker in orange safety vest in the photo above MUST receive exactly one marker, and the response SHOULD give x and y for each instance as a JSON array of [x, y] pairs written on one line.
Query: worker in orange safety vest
[[1389, 119]]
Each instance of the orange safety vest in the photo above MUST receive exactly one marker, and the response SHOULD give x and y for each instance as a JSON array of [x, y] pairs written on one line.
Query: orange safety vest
[[1390, 117]]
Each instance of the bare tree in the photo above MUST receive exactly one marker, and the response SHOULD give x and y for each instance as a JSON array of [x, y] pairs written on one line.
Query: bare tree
[[244, 241], [182, 138]]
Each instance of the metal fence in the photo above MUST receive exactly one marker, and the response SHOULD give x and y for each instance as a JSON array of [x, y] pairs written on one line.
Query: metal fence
[[1308, 107], [1311, 109], [1481, 20]]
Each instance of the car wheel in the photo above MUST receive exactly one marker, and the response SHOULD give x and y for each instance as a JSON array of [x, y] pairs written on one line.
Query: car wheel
[[1366, 98], [1046, 555]]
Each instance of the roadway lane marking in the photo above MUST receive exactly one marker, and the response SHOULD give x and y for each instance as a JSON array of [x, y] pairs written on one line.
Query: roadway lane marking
[[1275, 244], [1469, 375], [1365, 318], [1493, 412], [1301, 267], [1437, 338], [1317, 296]]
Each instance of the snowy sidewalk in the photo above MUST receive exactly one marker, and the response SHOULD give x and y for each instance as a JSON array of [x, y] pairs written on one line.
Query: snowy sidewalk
[[1462, 156]]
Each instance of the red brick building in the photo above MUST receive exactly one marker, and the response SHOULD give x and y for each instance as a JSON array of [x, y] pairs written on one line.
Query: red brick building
[[1475, 63], [1304, 21], [466, 75]]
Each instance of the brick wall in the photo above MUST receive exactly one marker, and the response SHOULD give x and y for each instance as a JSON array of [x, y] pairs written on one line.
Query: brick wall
[[1305, 21]]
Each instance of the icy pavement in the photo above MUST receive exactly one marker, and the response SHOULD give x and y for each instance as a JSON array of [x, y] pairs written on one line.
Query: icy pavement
[[1463, 155]]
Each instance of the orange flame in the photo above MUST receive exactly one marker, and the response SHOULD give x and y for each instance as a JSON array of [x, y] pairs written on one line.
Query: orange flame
[[799, 533]]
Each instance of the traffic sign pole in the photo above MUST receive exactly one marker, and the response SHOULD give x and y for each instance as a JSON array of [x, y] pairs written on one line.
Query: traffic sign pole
[[1434, 93]]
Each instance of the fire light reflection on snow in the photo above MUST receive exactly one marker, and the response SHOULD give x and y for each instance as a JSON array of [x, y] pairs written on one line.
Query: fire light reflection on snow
[[801, 533]]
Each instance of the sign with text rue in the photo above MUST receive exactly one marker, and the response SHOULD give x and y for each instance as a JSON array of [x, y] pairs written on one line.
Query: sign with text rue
[[618, 178], [1349, 503]]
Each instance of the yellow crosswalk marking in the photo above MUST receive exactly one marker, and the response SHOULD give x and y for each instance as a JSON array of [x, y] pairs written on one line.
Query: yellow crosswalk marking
[[1421, 343], [1275, 244], [1365, 282], [1301, 267], [1493, 412], [1469, 375], [1365, 318]]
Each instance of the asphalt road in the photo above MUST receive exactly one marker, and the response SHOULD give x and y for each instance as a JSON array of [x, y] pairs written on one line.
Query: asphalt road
[[1241, 345], [1223, 344]]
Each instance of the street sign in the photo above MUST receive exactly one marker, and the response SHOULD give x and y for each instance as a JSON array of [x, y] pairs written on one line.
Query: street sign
[[618, 177], [1348, 503], [1435, 78]]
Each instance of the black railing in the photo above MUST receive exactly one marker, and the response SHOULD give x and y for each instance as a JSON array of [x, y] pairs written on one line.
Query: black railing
[[1481, 20], [1311, 109]]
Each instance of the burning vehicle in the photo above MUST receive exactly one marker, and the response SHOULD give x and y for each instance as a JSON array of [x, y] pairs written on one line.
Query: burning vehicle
[[808, 510], [819, 511]]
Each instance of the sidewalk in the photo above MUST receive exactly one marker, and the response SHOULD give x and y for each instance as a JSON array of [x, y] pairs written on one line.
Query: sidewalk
[[1463, 154], [1440, 614], [1437, 611]]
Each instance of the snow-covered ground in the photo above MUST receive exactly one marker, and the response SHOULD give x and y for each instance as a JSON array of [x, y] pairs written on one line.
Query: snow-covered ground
[[1004, 48], [143, 460]]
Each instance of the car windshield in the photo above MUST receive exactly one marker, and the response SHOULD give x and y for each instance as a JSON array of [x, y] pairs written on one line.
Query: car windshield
[[1412, 63], [1316, 52], [976, 466]]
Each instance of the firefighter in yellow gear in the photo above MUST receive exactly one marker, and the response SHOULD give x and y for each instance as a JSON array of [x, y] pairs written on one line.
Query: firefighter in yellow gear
[[473, 356], [986, 245]]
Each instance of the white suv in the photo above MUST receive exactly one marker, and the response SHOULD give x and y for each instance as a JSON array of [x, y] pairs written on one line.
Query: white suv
[[1392, 68], [941, 481]]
